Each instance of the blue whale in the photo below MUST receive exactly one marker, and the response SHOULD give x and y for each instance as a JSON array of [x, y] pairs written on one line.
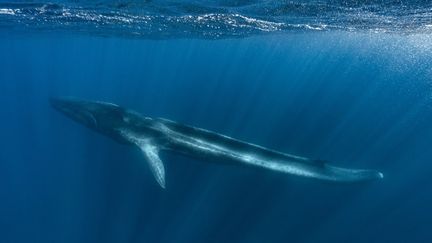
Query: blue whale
[[152, 135]]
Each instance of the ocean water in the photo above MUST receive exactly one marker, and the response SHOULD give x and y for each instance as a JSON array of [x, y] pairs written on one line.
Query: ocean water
[[345, 81]]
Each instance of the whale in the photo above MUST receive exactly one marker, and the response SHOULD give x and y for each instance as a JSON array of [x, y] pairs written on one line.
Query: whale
[[155, 135]]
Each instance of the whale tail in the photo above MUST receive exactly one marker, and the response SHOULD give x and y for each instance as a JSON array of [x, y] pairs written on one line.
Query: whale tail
[[352, 175]]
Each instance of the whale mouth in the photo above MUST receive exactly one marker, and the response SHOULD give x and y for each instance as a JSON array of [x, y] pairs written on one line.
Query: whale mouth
[[75, 109]]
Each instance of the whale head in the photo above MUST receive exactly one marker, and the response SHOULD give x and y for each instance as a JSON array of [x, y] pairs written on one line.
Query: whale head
[[103, 117]]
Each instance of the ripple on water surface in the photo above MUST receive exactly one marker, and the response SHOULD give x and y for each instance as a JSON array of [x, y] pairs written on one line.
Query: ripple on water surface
[[216, 19]]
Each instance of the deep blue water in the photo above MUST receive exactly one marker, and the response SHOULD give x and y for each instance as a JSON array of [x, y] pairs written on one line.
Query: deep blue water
[[360, 98]]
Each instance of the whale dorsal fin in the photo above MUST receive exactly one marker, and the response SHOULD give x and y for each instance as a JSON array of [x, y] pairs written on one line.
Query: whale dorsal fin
[[320, 162], [150, 152]]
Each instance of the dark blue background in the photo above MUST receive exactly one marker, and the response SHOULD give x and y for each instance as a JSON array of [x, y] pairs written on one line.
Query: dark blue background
[[360, 100]]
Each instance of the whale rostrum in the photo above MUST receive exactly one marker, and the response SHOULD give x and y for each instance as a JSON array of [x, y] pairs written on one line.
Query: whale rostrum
[[152, 135]]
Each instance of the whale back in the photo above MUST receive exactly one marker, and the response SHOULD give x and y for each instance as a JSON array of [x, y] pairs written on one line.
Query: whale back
[[234, 144]]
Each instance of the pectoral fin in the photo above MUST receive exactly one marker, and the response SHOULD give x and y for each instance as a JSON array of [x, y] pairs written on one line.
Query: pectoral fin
[[155, 163]]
